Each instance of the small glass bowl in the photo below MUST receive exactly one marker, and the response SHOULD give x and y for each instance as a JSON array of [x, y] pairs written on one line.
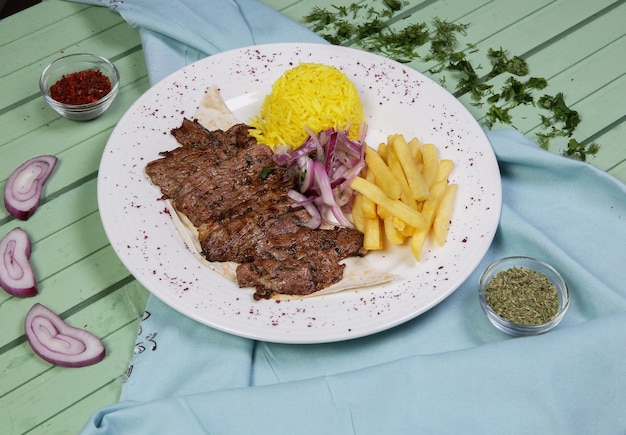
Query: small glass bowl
[[508, 326], [74, 63]]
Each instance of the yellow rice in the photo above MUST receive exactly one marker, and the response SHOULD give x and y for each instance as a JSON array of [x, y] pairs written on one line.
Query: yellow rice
[[310, 95]]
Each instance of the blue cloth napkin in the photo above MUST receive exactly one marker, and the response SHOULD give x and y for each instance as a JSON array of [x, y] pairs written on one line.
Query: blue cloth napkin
[[447, 371]]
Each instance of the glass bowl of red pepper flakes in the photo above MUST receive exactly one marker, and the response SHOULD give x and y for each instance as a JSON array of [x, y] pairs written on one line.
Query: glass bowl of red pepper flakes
[[80, 86]]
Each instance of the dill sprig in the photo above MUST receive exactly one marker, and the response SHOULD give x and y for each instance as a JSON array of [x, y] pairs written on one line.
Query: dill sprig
[[438, 42]]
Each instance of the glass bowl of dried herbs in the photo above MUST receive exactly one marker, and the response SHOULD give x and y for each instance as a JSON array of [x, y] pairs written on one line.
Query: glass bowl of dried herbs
[[523, 296], [80, 86]]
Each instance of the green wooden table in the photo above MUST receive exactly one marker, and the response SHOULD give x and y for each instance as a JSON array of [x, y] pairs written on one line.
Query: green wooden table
[[578, 46]]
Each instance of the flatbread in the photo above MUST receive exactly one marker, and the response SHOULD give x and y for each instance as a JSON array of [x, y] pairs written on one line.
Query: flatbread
[[213, 113]]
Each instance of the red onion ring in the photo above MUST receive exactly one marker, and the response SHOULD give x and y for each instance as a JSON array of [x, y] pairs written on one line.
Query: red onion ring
[[16, 274], [59, 343], [24, 187], [316, 218], [323, 167]]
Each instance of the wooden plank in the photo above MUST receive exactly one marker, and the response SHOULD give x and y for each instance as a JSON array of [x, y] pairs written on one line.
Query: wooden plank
[[19, 362], [32, 19], [612, 157], [619, 171], [32, 112], [50, 256], [73, 418], [109, 44], [92, 23], [66, 289], [582, 70], [575, 51], [78, 269], [78, 145], [114, 320], [592, 78], [501, 25], [601, 107]]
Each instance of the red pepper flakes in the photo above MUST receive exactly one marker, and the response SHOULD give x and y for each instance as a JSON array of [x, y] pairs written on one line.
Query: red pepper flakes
[[81, 87]]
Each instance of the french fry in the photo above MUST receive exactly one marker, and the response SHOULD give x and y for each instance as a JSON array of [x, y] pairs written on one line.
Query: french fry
[[382, 151], [368, 206], [429, 211], [431, 205], [396, 207], [430, 157], [358, 218], [398, 224], [394, 236], [417, 243], [394, 164], [444, 169], [372, 236], [444, 213], [408, 231], [416, 152], [383, 213], [404, 196], [385, 179], [417, 183]]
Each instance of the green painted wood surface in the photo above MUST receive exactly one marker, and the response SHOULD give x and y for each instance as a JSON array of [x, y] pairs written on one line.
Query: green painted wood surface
[[79, 274], [577, 45]]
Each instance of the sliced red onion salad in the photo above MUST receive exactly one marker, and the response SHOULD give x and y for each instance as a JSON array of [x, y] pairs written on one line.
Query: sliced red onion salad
[[59, 343], [22, 192], [16, 274], [324, 166]]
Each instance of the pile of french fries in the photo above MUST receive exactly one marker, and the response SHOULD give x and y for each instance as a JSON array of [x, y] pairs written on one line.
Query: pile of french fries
[[404, 195]]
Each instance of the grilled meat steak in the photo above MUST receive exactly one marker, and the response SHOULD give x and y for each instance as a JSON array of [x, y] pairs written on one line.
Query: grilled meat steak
[[200, 149], [214, 178]]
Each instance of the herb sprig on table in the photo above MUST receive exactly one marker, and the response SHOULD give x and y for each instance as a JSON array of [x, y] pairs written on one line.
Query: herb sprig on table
[[437, 44]]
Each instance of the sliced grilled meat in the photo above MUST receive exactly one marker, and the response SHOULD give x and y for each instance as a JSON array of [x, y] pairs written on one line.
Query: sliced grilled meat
[[224, 143], [200, 149], [290, 276], [237, 239], [218, 180], [299, 263], [216, 189]]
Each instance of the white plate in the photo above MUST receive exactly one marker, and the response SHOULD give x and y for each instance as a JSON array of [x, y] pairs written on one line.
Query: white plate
[[396, 99]]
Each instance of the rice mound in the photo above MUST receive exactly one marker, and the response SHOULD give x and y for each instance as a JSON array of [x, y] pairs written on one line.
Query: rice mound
[[310, 95]]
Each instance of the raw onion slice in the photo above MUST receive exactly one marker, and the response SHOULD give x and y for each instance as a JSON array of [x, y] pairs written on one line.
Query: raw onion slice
[[16, 274], [309, 206], [59, 343], [24, 187], [323, 167]]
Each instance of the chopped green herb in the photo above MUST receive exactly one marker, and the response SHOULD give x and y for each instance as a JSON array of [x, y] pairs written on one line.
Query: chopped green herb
[[498, 114], [578, 151], [470, 82], [444, 42], [523, 296], [266, 171], [560, 112], [394, 5], [501, 64]]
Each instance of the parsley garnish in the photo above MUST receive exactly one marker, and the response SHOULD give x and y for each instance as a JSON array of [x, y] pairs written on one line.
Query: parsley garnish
[[266, 171], [377, 31]]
